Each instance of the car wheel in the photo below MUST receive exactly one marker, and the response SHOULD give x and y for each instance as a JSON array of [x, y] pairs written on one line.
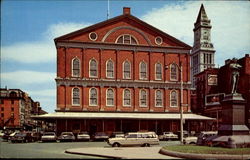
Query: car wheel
[[116, 145]]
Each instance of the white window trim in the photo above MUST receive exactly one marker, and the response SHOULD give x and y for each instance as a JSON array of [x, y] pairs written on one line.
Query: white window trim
[[140, 98], [107, 69], [146, 71], [123, 98], [161, 98], [177, 72], [130, 39], [72, 68], [107, 97], [96, 68], [156, 71], [96, 97], [123, 75], [72, 96], [177, 100]]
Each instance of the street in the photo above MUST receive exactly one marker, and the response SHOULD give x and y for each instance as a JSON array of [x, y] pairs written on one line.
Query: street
[[52, 149]]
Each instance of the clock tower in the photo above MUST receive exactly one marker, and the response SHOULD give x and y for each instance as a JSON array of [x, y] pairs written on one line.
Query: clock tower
[[202, 55]]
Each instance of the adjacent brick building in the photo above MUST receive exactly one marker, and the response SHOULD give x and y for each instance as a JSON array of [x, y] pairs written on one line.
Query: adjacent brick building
[[16, 108], [122, 75], [214, 83]]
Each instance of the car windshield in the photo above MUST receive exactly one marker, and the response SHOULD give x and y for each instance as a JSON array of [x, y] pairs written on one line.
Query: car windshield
[[49, 134], [67, 133]]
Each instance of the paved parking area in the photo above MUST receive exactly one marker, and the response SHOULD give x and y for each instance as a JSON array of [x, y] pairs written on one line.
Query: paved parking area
[[122, 152], [38, 150]]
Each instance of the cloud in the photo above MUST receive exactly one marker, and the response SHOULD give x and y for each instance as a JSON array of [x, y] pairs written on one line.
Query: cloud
[[27, 77], [42, 51], [230, 25]]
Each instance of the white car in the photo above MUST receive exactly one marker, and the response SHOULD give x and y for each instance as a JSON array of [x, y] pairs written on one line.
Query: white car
[[135, 139], [83, 136], [169, 136], [190, 140], [49, 136]]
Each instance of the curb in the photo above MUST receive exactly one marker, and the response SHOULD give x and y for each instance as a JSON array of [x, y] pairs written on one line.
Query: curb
[[96, 155], [202, 156]]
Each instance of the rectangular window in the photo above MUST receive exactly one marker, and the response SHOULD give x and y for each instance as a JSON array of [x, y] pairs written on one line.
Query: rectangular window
[[12, 101], [2, 109], [12, 109]]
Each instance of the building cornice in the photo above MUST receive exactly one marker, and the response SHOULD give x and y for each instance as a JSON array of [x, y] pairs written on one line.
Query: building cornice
[[121, 83], [111, 46]]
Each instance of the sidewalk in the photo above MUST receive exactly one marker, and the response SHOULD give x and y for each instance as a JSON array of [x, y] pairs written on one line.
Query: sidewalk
[[122, 152]]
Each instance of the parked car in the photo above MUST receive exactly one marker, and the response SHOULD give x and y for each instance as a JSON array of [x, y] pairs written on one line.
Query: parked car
[[21, 137], [168, 136], [204, 135], [83, 136], [185, 134], [100, 136], [135, 139], [1, 133], [6, 136], [12, 134], [66, 136], [49, 136], [117, 135], [36, 136], [190, 140]]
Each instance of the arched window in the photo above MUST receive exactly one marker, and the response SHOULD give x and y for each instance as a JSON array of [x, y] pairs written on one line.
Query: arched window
[[158, 98], [93, 97], [173, 72], [92, 68], [173, 98], [126, 70], [76, 67], [126, 97], [143, 98], [76, 96], [110, 97], [158, 71], [126, 39], [110, 69], [143, 70]]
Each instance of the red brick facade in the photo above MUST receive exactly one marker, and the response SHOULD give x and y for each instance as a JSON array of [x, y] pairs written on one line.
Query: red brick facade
[[209, 96], [104, 48]]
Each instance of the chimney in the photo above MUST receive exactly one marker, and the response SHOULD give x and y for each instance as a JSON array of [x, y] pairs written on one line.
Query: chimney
[[126, 10]]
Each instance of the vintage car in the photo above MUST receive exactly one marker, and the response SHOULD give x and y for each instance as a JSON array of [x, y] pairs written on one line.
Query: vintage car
[[100, 136], [21, 137], [204, 135], [190, 140], [135, 139], [168, 136], [66, 136], [49, 136], [83, 136]]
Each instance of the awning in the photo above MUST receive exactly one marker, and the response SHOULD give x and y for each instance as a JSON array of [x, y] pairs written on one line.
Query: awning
[[120, 115]]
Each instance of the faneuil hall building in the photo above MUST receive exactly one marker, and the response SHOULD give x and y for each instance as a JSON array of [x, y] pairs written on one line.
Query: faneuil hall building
[[123, 74]]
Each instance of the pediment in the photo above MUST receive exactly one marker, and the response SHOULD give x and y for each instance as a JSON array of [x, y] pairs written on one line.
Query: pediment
[[110, 30]]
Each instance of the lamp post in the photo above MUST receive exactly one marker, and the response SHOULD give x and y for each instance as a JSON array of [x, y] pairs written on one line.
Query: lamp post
[[181, 108]]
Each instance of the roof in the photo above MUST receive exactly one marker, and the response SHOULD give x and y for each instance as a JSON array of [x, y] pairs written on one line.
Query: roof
[[120, 18], [120, 115]]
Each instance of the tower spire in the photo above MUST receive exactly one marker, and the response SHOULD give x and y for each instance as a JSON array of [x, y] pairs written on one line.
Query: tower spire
[[202, 55]]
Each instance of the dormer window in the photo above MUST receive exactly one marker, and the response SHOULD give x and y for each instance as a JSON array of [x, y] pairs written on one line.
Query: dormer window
[[126, 39]]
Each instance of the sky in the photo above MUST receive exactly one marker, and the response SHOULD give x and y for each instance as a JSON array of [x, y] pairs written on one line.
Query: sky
[[28, 29]]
